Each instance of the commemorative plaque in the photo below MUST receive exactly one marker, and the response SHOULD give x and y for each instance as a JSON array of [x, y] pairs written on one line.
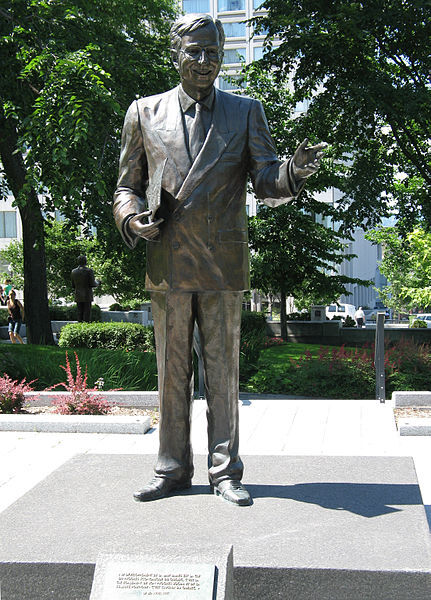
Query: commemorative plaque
[[134, 579]]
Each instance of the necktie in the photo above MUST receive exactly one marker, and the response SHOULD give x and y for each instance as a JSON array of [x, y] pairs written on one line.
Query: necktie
[[197, 132]]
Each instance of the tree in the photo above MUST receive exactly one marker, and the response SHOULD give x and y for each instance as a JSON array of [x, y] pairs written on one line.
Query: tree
[[69, 71], [364, 67], [295, 256], [295, 247], [406, 264], [63, 244]]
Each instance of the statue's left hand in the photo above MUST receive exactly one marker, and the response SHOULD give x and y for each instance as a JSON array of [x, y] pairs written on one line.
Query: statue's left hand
[[306, 161]]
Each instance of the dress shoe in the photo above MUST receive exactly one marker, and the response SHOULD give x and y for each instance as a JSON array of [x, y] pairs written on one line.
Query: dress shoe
[[160, 487], [233, 491]]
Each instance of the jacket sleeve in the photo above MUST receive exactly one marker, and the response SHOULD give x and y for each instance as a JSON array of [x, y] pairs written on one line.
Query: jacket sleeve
[[273, 180], [129, 197]]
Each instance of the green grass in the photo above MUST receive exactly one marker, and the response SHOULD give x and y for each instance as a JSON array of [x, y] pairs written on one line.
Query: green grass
[[294, 351], [119, 368]]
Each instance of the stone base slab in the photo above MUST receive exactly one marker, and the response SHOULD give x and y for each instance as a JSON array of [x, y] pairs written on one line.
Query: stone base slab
[[320, 528]]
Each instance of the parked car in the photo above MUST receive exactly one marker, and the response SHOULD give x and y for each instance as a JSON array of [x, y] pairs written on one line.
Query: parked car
[[340, 310]]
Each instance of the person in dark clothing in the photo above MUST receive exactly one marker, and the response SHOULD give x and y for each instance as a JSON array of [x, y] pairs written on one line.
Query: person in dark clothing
[[16, 317], [83, 282]]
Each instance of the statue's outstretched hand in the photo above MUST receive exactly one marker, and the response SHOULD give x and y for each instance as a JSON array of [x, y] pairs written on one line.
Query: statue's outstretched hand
[[148, 231], [306, 161]]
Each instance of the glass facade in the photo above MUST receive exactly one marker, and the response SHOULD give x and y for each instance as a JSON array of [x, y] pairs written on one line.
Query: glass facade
[[234, 55], [230, 5], [7, 224], [196, 6], [234, 29], [257, 52], [226, 85]]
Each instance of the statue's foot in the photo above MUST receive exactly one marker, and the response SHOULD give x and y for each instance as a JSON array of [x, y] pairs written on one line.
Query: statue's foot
[[233, 491], [160, 487]]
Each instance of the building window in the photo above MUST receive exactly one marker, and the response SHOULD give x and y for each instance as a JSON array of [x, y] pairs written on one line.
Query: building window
[[230, 5], [232, 84], [257, 4], [258, 52], [234, 55], [234, 29], [7, 224], [196, 6]]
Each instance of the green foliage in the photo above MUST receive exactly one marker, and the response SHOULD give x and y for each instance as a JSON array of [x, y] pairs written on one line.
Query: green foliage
[[340, 372], [127, 336], [3, 316], [418, 324], [128, 370], [363, 68], [299, 316], [253, 337], [70, 313], [349, 322], [406, 264]]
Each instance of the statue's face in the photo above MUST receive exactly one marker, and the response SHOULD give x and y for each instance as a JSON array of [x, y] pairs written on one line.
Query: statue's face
[[199, 60]]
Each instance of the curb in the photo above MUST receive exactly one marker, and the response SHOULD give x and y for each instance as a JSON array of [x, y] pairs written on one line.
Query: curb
[[75, 424], [415, 426]]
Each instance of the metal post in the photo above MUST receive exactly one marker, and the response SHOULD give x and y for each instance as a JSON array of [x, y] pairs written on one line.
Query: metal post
[[379, 357]]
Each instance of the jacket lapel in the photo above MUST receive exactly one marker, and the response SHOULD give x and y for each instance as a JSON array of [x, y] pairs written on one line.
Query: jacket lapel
[[215, 144]]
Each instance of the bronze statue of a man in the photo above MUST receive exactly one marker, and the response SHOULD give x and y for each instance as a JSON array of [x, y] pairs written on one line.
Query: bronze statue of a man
[[185, 159]]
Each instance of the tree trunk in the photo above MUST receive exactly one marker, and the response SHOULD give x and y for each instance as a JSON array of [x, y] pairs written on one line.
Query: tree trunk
[[283, 319], [38, 323]]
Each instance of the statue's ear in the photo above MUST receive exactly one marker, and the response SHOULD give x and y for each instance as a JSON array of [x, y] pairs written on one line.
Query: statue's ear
[[174, 58]]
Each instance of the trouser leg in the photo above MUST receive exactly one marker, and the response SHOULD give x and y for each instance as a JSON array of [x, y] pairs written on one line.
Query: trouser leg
[[219, 321], [173, 329], [86, 312], [80, 307]]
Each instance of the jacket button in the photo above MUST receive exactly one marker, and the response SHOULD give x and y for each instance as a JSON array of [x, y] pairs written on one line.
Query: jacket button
[[210, 247], [210, 219], [175, 245]]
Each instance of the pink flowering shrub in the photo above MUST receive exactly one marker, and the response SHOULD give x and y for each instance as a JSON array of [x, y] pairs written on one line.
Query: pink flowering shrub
[[12, 394], [80, 400]]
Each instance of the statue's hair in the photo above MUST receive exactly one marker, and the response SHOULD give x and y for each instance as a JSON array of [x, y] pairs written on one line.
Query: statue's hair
[[82, 260], [191, 22]]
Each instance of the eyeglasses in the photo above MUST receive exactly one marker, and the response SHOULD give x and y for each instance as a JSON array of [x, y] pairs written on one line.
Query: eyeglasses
[[195, 53]]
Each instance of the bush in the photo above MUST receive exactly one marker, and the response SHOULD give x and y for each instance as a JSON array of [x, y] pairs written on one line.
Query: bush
[[12, 394], [253, 337], [418, 324], [3, 316], [299, 316], [127, 336], [345, 374], [79, 400], [335, 374], [70, 313], [115, 306], [349, 322]]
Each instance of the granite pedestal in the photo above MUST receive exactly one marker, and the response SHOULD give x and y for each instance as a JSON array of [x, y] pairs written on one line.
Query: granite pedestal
[[326, 528]]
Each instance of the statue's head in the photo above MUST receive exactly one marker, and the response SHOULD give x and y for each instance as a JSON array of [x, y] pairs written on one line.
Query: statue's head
[[197, 42], [82, 260]]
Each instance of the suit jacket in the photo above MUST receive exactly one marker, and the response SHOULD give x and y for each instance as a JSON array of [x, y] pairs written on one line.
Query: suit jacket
[[203, 242], [83, 282]]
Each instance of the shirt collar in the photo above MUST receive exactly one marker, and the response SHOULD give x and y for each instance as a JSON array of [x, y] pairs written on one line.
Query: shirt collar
[[186, 101]]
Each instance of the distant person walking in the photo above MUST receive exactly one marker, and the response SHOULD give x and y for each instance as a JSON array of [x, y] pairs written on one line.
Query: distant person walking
[[16, 317], [360, 318], [8, 287], [83, 283]]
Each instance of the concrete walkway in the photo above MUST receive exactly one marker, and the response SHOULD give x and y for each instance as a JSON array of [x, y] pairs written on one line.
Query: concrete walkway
[[267, 427]]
